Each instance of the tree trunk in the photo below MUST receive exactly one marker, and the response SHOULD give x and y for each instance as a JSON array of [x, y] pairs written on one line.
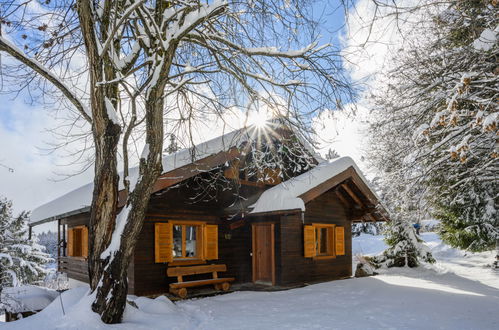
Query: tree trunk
[[112, 291], [111, 294], [106, 134]]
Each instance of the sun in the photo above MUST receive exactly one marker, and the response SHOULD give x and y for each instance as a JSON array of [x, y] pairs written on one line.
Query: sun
[[259, 119]]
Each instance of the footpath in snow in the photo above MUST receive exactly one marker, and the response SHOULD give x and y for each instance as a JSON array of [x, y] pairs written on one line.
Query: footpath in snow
[[459, 292]]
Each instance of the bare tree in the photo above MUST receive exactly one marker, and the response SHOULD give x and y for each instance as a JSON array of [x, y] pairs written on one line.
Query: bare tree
[[127, 66]]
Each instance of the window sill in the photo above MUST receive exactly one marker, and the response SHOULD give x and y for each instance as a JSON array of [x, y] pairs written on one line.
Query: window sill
[[184, 262], [323, 257], [77, 258]]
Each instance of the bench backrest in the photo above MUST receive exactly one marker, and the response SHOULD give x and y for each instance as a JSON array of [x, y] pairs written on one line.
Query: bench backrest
[[195, 270]]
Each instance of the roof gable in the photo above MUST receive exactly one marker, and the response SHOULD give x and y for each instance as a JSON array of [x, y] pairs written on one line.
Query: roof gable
[[293, 194]]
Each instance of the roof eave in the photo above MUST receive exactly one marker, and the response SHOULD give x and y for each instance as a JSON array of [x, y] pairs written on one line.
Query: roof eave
[[60, 216], [275, 212]]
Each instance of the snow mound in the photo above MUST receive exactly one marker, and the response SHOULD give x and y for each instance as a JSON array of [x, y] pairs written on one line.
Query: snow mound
[[160, 305], [487, 39], [26, 298]]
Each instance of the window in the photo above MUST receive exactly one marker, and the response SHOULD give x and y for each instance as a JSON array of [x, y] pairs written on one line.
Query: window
[[77, 242], [323, 241], [185, 241], [323, 245], [177, 241]]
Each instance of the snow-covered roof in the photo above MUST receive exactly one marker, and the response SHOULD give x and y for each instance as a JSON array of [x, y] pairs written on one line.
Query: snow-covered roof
[[80, 199], [26, 298], [286, 195]]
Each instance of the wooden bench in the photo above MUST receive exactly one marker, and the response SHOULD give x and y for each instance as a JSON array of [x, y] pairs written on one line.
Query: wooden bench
[[180, 287]]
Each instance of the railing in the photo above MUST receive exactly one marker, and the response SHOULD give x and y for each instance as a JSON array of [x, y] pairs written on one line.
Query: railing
[[75, 267]]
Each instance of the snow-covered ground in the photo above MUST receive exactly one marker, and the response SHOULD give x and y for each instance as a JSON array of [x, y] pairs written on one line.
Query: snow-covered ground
[[459, 292]]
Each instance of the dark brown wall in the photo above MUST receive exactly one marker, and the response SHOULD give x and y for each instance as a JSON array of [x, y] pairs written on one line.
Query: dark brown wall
[[294, 268], [150, 277], [77, 267], [147, 277]]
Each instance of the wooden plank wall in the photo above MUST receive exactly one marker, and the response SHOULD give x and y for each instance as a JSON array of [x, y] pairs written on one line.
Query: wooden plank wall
[[234, 248], [150, 277], [294, 268], [77, 267]]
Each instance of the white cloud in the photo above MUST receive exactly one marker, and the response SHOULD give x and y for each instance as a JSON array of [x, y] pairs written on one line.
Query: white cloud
[[22, 134], [375, 32], [371, 38], [344, 132]]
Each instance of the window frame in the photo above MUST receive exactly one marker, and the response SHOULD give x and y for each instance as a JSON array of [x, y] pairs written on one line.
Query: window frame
[[77, 233], [331, 246], [199, 240]]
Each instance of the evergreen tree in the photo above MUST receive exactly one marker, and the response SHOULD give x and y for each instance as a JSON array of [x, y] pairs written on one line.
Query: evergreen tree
[[49, 241], [173, 146], [405, 247], [372, 228], [332, 154], [437, 112], [21, 259]]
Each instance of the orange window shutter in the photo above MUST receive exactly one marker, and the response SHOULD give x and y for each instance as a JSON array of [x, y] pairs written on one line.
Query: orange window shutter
[[340, 241], [163, 242], [70, 248], [210, 242], [309, 241], [84, 242], [331, 243]]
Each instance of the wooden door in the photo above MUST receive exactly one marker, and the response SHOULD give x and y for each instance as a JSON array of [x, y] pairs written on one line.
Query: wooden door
[[263, 253]]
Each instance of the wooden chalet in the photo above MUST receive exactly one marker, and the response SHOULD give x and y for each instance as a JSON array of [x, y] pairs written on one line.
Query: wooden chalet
[[277, 225]]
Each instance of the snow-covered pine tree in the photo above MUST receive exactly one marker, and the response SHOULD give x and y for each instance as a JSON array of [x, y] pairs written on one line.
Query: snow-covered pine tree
[[21, 259], [49, 241], [373, 228], [406, 248], [173, 145], [437, 112], [332, 154]]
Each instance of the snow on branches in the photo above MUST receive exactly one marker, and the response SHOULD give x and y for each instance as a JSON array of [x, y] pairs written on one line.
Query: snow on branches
[[438, 111], [21, 259]]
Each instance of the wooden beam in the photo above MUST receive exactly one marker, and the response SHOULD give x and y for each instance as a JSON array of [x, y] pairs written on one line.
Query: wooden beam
[[326, 185], [342, 199], [183, 173], [353, 195], [59, 243], [188, 171], [280, 212]]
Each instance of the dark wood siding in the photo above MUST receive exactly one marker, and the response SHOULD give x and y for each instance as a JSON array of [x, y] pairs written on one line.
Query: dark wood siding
[[150, 277], [234, 248], [77, 267], [147, 277], [294, 268]]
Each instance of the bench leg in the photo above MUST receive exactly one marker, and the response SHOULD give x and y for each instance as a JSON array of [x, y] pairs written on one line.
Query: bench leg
[[225, 286], [182, 292]]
